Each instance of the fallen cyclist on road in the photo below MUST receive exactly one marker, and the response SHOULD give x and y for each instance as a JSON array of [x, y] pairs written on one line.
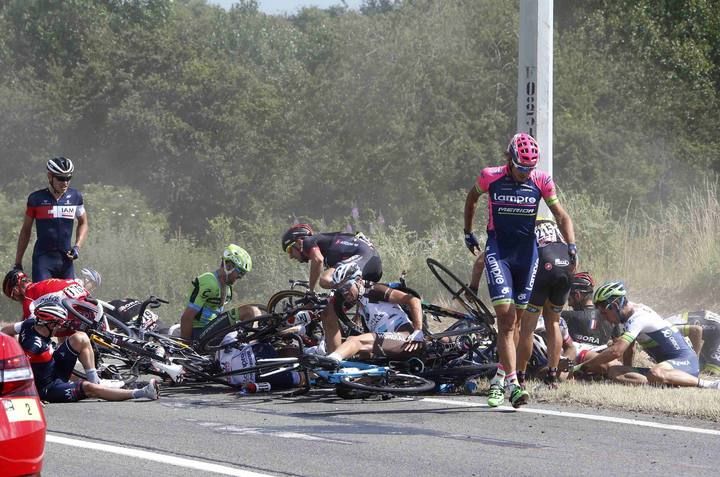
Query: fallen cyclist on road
[[52, 367], [392, 333], [676, 363]]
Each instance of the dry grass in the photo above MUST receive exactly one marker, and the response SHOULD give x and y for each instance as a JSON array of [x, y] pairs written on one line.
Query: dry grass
[[681, 402], [693, 403]]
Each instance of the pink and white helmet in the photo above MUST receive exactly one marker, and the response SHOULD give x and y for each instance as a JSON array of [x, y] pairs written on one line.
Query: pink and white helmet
[[523, 150]]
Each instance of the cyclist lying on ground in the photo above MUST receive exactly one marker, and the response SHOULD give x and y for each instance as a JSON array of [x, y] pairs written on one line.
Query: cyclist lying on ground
[[330, 250], [677, 364], [391, 332], [17, 287], [52, 368], [213, 290]]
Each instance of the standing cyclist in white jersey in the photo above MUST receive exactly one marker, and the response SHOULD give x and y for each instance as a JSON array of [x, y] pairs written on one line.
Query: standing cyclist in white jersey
[[676, 363]]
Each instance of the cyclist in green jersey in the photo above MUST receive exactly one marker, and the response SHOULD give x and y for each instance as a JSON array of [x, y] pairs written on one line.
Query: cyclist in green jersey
[[213, 290]]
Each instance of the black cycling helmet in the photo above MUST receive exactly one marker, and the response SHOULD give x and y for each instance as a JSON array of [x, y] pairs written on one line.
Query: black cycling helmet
[[293, 233], [12, 278], [60, 166], [582, 282]]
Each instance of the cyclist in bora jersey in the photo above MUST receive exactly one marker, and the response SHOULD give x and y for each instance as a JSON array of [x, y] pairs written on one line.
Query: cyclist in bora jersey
[[54, 210], [677, 364], [549, 294], [514, 192], [330, 250], [211, 291]]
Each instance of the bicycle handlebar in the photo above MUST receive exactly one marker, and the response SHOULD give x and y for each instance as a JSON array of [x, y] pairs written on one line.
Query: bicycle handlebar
[[153, 302]]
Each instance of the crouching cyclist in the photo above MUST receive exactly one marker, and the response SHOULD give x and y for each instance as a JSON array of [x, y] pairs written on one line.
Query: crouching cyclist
[[392, 333], [52, 368], [677, 364]]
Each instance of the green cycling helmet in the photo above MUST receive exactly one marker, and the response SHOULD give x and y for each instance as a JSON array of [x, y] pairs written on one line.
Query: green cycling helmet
[[608, 292], [238, 256]]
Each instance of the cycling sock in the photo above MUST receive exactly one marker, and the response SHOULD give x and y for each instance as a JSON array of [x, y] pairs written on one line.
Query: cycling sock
[[511, 380], [138, 393], [499, 376], [707, 384], [92, 375]]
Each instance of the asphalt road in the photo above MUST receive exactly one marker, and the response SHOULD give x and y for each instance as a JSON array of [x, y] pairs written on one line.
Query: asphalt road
[[191, 432]]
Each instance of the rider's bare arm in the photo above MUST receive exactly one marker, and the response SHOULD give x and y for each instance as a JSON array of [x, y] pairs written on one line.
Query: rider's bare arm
[[564, 221], [615, 351], [316, 259], [470, 204], [23, 238]]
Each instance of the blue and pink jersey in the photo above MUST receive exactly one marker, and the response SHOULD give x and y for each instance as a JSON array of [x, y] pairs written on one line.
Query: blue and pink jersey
[[513, 205]]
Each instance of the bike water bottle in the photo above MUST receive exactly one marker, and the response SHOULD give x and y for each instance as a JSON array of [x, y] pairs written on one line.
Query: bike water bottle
[[446, 388], [252, 388], [471, 386]]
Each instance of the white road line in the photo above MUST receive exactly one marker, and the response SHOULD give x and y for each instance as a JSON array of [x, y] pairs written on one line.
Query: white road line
[[162, 458], [592, 417]]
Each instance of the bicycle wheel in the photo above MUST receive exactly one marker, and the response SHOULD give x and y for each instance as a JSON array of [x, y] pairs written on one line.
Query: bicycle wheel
[[259, 327], [392, 382], [284, 300], [460, 291]]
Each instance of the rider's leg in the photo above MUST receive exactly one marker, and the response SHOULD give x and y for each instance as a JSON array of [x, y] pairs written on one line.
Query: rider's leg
[[554, 336], [664, 373], [528, 322], [355, 344], [329, 319], [626, 375]]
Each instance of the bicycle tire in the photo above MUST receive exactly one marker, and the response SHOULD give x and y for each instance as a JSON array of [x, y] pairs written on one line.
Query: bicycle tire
[[460, 291], [257, 328], [275, 303], [392, 382]]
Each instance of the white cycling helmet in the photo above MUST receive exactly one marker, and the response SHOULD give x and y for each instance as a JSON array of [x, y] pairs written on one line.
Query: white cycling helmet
[[346, 272], [60, 166], [91, 278]]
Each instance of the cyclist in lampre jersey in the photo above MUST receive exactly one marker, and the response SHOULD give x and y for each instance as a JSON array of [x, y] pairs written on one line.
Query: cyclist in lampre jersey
[[54, 211], [211, 291], [549, 294], [514, 193], [329, 250], [53, 367], [676, 363], [392, 333]]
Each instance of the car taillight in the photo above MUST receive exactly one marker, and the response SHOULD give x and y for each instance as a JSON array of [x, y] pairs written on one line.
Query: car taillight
[[16, 378]]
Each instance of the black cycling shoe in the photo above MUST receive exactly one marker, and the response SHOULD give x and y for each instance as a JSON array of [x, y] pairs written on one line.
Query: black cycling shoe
[[318, 361]]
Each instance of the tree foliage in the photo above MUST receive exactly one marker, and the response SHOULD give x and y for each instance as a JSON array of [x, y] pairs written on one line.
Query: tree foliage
[[393, 108]]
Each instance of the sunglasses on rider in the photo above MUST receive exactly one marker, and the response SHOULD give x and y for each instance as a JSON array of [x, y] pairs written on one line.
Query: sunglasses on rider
[[522, 169], [62, 178]]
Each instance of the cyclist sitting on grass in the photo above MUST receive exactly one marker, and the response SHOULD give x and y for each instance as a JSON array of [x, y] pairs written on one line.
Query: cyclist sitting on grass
[[677, 364], [393, 333], [330, 250], [211, 291], [52, 367]]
